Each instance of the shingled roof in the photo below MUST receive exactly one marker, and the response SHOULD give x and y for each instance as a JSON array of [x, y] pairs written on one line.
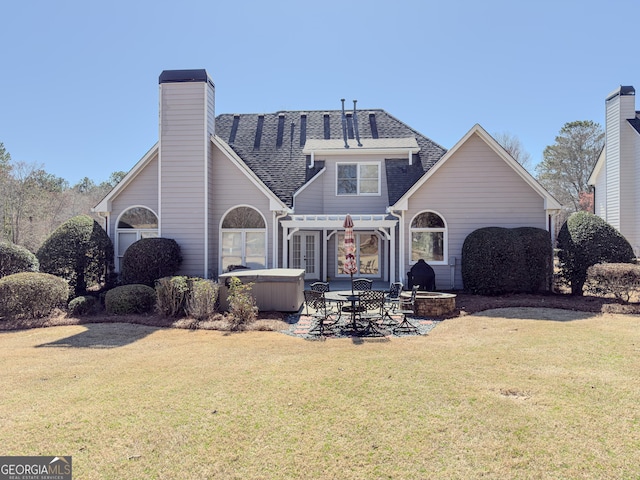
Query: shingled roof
[[271, 145]]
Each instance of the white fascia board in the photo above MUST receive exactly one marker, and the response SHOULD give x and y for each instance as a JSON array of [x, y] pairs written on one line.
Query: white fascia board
[[304, 187], [550, 202], [104, 206], [597, 168], [275, 204]]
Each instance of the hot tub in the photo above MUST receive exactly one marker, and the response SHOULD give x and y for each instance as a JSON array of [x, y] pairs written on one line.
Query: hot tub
[[432, 304], [275, 289]]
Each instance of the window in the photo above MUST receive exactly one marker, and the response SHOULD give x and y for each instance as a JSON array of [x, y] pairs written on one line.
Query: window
[[244, 239], [358, 179], [134, 224], [428, 238]]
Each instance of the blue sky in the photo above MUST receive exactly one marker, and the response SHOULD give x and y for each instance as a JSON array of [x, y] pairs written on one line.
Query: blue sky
[[79, 81]]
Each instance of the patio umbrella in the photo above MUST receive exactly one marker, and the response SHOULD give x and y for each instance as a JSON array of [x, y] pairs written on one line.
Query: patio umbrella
[[349, 266]]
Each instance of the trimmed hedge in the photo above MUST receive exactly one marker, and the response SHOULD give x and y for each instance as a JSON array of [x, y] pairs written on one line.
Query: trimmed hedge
[[32, 295], [621, 280], [79, 251], [84, 305], [150, 259], [130, 299], [498, 260], [16, 259], [584, 240]]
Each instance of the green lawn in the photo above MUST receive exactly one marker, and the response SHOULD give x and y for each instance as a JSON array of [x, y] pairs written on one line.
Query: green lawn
[[493, 395]]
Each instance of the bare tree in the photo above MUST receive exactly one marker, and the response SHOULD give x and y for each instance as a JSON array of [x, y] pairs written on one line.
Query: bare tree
[[514, 147]]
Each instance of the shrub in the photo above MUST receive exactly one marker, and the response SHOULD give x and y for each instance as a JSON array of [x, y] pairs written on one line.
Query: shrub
[[32, 294], [84, 305], [150, 259], [621, 280], [584, 240], [16, 259], [79, 251], [172, 295], [499, 260], [242, 305], [202, 299], [130, 299]]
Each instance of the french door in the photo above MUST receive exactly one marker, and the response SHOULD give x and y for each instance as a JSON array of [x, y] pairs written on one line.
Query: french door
[[305, 253]]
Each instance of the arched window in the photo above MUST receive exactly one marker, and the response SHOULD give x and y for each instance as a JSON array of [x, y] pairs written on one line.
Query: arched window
[[428, 238], [244, 239], [134, 223]]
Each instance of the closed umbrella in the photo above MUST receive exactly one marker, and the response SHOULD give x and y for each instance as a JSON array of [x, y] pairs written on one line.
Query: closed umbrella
[[349, 266]]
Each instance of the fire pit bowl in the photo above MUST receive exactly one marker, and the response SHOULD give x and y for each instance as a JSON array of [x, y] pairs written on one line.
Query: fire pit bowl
[[432, 304]]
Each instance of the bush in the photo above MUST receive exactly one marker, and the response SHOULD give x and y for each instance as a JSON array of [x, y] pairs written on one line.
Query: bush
[[31, 294], [84, 305], [79, 251], [150, 259], [16, 259], [202, 299], [172, 295], [584, 240], [242, 305], [128, 299], [621, 280], [499, 260]]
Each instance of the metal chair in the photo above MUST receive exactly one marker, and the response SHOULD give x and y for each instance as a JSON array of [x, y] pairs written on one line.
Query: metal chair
[[316, 308], [391, 301], [371, 304], [320, 286], [362, 284], [406, 306]]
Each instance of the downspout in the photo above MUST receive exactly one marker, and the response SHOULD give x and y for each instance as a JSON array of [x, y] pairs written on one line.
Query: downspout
[[277, 216], [401, 261]]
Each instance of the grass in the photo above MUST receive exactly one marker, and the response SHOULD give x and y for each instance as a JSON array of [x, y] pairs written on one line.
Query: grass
[[510, 393]]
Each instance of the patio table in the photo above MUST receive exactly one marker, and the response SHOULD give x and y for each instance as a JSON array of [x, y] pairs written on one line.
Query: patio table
[[341, 296]]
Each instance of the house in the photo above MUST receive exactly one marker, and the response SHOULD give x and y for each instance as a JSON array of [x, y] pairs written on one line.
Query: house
[[616, 174], [272, 190]]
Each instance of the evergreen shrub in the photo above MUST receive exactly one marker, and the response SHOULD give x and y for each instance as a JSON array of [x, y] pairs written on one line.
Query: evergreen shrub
[[32, 295], [585, 240], [130, 299], [498, 260], [150, 259], [84, 305], [15, 259], [79, 251]]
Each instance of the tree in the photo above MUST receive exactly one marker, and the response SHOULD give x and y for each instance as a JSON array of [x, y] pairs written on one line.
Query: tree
[[514, 147], [80, 251], [567, 164]]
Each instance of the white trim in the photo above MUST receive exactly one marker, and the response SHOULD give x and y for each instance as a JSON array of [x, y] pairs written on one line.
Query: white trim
[[104, 206], [306, 184], [550, 203], [116, 239], [274, 202], [358, 179], [445, 238], [266, 234]]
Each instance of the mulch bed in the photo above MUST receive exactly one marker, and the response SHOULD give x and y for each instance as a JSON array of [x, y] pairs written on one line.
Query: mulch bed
[[466, 304]]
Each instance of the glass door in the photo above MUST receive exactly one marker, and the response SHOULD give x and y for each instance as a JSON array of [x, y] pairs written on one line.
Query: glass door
[[305, 253]]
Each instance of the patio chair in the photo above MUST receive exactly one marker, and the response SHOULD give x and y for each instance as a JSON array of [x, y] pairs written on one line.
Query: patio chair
[[372, 311], [391, 301], [406, 306], [320, 286], [316, 308], [362, 284]]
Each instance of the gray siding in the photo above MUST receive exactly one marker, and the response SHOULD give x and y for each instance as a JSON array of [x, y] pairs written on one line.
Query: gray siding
[[183, 157], [141, 191], [475, 188], [613, 162], [355, 204], [231, 188], [311, 199]]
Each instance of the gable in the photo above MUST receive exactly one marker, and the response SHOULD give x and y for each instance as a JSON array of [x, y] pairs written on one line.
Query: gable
[[476, 136]]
